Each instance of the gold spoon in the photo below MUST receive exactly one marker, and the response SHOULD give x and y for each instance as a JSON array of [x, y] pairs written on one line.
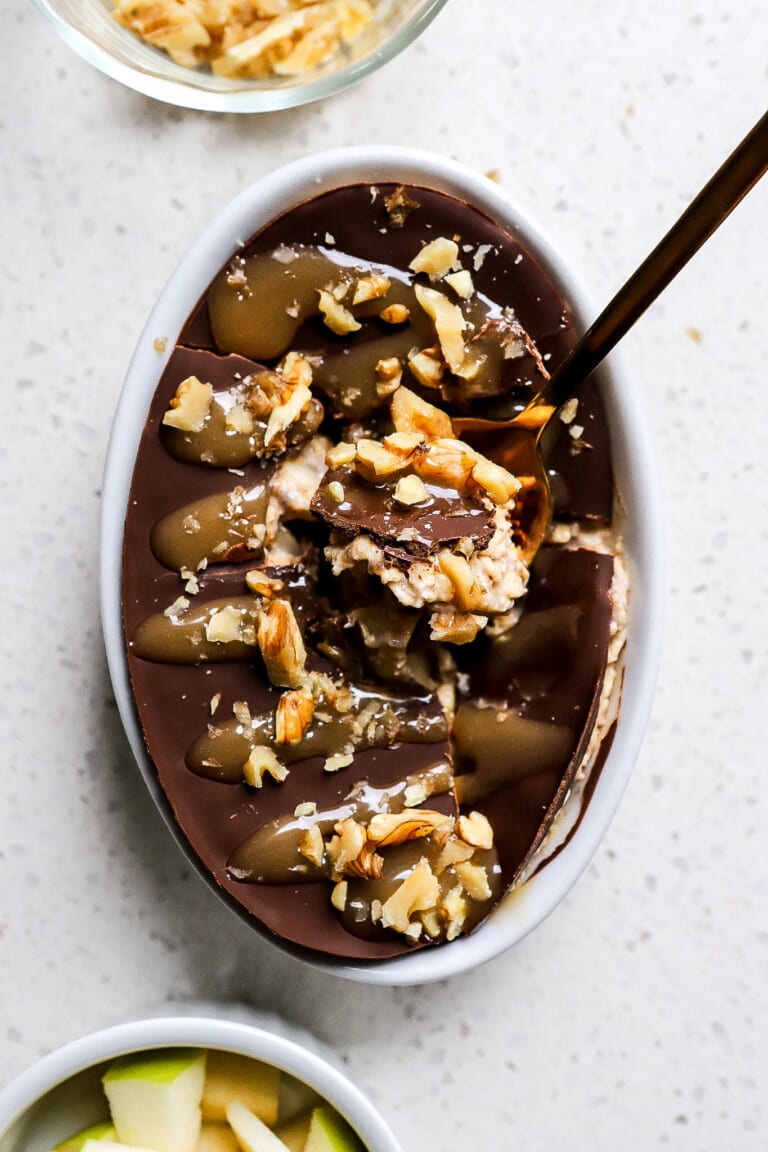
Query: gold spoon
[[516, 443]]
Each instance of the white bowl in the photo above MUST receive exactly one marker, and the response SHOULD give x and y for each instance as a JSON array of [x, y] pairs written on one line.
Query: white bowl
[[636, 483], [62, 1093]]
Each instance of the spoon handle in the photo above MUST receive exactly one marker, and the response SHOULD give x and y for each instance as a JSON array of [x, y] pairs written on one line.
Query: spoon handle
[[718, 198]]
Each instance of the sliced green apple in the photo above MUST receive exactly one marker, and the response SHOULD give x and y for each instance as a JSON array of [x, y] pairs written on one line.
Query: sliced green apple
[[231, 1077], [293, 1133], [217, 1138], [155, 1099], [112, 1146], [252, 1134], [103, 1131], [329, 1133]]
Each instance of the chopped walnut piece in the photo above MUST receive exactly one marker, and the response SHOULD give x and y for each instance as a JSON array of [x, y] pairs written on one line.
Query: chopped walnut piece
[[338, 318], [474, 880], [173, 611], [339, 895], [336, 491], [374, 460], [449, 460], [250, 49], [427, 367], [419, 892], [347, 844], [454, 627], [340, 454], [160, 343], [190, 405], [454, 852], [281, 645], [569, 409], [260, 761], [475, 829], [263, 585], [295, 369], [412, 414], [312, 846], [224, 626], [239, 419], [410, 490], [403, 443], [167, 24], [415, 794], [467, 595], [337, 761], [479, 257], [462, 284], [449, 324], [454, 912], [389, 828], [306, 808], [281, 417], [327, 27], [293, 717], [500, 484], [191, 583], [389, 375], [371, 288], [242, 713], [399, 206], [431, 922], [367, 864], [436, 258], [394, 314]]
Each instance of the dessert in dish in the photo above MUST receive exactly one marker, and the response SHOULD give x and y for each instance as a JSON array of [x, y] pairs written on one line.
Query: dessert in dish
[[365, 711], [248, 39], [195, 1100]]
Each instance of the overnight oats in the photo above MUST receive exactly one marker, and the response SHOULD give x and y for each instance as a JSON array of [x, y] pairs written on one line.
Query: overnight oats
[[371, 715]]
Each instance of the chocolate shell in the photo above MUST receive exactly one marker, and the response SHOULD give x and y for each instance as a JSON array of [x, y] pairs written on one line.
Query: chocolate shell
[[547, 673]]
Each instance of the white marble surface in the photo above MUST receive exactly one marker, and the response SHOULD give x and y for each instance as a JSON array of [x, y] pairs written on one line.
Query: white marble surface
[[637, 1016]]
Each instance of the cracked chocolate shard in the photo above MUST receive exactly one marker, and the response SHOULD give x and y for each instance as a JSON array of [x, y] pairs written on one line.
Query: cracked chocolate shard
[[348, 503]]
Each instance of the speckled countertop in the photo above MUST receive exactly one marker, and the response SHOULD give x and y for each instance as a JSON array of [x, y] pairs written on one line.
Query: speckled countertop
[[637, 1016]]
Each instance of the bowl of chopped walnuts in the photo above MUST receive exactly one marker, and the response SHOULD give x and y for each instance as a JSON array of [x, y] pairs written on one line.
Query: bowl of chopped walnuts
[[239, 55]]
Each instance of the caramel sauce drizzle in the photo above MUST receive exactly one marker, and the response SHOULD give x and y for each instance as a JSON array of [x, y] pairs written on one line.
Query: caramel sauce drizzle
[[376, 719]]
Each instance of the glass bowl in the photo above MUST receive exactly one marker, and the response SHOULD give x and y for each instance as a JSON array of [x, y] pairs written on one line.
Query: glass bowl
[[88, 27]]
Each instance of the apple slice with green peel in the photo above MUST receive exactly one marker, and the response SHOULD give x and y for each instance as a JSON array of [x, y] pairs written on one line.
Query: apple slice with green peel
[[155, 1099], [112, 1146], [252, 1134], [217, 1138], [329, 1133], [231, 1077], [293, 1133], [103, 1131]]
